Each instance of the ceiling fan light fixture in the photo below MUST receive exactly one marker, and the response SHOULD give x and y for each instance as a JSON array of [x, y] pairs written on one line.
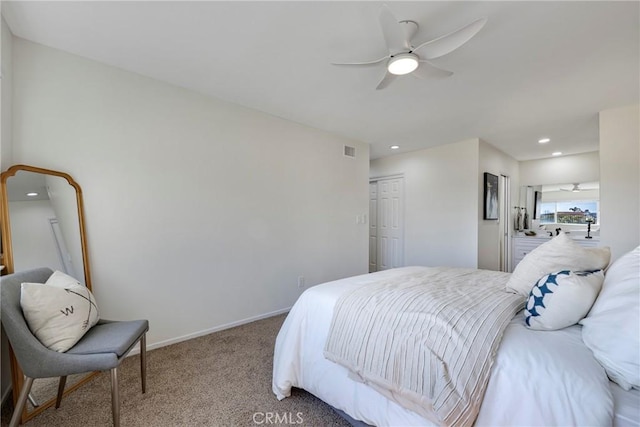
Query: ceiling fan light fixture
[[402, 64]]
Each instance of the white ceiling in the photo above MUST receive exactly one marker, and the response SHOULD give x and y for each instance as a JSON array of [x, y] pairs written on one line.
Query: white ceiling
[[536, 69]]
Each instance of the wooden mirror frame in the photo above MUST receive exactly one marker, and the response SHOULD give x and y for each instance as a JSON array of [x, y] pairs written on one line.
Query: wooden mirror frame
[[17, 377]]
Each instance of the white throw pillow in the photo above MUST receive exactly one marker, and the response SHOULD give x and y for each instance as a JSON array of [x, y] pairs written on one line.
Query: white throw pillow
[[562, 299], [612, 328], [560, 253], [62, 280], [59, 312]]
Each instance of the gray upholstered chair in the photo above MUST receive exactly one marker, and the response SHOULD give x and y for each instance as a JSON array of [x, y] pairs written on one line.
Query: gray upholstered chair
[[102, 347]]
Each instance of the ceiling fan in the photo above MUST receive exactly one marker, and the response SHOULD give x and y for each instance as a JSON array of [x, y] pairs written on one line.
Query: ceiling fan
[[406, 58]]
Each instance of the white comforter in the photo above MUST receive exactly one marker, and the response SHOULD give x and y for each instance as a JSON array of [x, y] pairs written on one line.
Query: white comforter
[[538, 378], [425, 339]]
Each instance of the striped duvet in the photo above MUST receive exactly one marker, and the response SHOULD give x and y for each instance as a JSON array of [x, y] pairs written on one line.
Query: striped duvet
[[425, 339]]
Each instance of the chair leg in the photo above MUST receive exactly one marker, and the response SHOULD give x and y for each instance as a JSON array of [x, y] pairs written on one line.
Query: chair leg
[[30, 397], [61, 384], [115, 397], [22, 399], [143, 361], [33, 401]]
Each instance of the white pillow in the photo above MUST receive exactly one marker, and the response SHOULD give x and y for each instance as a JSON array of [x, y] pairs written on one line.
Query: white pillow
[[62, 280], [562, 299], [58, 312], [560, 253], [612, 328]]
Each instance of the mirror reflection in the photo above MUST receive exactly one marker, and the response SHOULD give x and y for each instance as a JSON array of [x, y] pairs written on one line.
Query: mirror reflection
[[44, 389], [45, 230], [573, 207]]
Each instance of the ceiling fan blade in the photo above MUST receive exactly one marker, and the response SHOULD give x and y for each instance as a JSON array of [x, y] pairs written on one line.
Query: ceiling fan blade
[[366, 63], [426, 70], [393, 32], [388, 78], [449, 42]]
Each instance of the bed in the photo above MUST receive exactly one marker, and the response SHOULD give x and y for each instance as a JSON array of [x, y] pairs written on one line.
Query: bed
[[537, 377]]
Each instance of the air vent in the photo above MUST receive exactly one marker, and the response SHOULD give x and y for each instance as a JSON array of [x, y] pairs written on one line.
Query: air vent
[[349, 151]]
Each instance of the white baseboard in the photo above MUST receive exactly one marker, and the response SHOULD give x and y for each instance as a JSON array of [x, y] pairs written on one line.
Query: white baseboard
[[176, 340]]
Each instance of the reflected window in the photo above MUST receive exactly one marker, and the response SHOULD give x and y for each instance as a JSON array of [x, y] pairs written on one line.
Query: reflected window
[[569, 212]]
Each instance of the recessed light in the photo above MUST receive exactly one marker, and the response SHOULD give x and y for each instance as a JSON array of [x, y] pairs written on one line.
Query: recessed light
[[32, 194], [557, 153], [544, 140], [394, 147]]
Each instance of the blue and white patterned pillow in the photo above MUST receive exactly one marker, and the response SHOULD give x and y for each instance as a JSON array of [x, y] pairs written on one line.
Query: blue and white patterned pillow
[[562, 299]]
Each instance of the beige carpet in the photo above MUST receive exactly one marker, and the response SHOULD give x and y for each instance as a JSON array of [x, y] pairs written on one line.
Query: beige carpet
[[221, 379]]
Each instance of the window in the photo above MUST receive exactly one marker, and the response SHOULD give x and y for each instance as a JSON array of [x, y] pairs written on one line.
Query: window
[[569, 212]]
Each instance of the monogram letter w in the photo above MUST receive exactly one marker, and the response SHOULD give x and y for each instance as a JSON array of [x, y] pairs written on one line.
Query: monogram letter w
[[67, 311]]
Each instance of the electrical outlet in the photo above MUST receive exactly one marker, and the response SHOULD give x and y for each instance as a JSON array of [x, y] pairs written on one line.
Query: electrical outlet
[[361, 219], [300, 282]]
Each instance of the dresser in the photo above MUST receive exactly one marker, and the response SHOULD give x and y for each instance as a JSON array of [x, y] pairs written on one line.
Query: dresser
[[522, 245]]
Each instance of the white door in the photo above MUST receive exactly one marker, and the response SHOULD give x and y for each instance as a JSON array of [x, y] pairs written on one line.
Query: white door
[[387, 224], [504, 201], [373, 226]]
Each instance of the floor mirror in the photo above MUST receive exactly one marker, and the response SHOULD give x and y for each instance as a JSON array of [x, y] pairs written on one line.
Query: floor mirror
[[42, 225]]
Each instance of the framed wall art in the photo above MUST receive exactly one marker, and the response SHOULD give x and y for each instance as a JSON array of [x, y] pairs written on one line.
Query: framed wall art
[[490, 196]]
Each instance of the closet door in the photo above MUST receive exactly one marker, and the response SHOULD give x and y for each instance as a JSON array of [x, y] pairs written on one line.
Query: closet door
[[373, 226], [388, 224]]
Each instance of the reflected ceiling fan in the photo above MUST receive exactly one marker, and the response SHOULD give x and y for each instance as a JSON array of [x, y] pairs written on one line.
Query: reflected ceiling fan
[[576, 188], [407, 58]]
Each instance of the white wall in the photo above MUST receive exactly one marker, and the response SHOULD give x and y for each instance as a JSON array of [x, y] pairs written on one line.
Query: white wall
[[498, 163], [557, 196], [441, 203], [561, 170], [199, 213], [5, 95], [620, 179], [5, 161]]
